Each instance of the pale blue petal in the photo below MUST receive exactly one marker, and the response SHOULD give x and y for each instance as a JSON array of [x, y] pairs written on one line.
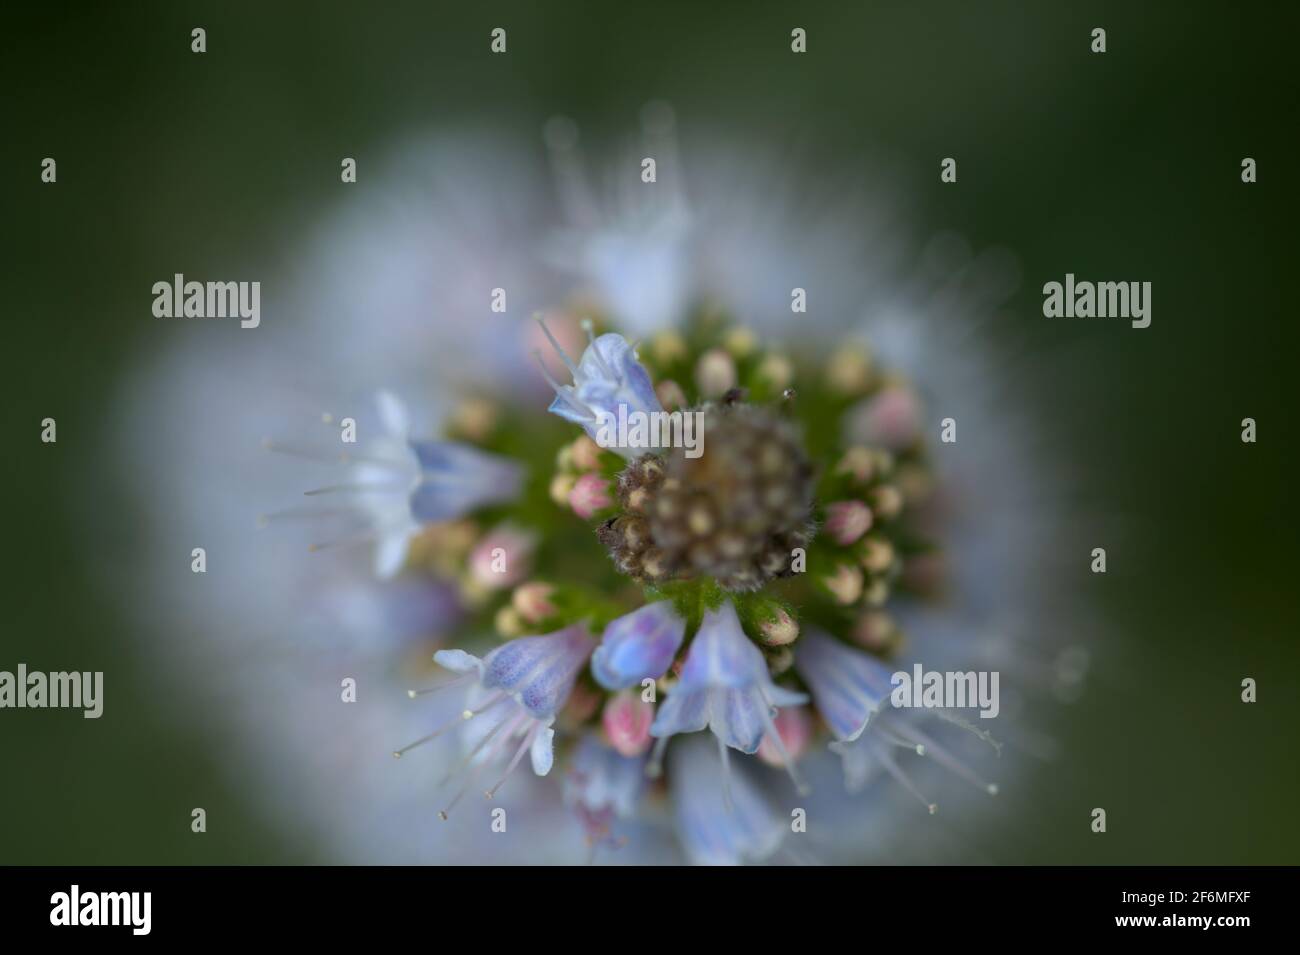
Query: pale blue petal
[[637, 646], [458, 478], [711, 831], [848, 686], [539, 671], [681, 713]]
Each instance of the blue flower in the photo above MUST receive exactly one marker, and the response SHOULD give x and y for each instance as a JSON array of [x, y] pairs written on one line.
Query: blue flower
[[402, 484], [638, 646], [851, 689], [721, 817], [725, 686], [607, 377], [520, 687], [848, 687]]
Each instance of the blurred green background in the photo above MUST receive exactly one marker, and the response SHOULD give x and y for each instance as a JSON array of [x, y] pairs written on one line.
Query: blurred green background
[[1124, 165]]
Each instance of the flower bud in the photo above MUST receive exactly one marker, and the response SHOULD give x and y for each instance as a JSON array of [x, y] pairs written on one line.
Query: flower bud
[[779, 630], [859, 463], [561, 488], [874, 631], [740, 342], [715, 373], [585, 454], [501, 558], [877, 554], [846, 521], [667, 347], [849, 369], [532, 601], [794, 726], [891, 418], [777, 371], [627, 720], [887, 502], [474, 418], [590, 493], [845, 584], [508, 623], [670, 395]]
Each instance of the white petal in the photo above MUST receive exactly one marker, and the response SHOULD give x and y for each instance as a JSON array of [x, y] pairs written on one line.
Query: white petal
[[541, 752], [458, 661]]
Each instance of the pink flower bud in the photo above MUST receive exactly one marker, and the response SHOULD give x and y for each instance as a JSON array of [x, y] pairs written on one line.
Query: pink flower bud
[[501, 558], [589, 494], [627, 720], [780, 630], [891, 418], [532, 601], [794, 726], [846, 521]]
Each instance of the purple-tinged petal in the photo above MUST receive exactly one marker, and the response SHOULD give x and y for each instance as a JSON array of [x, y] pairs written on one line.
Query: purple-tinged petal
[[638, 646], [539, 671]]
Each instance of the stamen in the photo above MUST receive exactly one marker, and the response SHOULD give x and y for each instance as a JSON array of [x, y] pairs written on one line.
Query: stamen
[[364, 486], [324, 457], [514, 761], [949, 717], [497, 698], [887, 761], [476, 770], [452, 724], [600, 359], [458, 681], [895, 739], [512, 722], [568, 362], [771, 734], [951, 763], [561, 392]]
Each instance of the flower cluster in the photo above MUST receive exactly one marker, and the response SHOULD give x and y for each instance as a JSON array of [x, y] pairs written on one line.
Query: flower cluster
[[647, 598]]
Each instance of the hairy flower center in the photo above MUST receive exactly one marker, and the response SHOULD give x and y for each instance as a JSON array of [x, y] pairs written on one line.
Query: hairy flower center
[[736, 513]]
